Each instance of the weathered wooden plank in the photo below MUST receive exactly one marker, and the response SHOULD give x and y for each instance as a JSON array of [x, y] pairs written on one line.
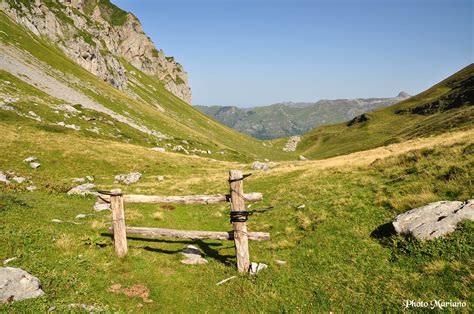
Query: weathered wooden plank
[[190, 199], [192, 234], [240, 228], [118, 223]]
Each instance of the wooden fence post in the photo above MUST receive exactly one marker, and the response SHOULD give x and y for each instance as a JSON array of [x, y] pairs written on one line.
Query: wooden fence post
[[118, 223], [240, 228]]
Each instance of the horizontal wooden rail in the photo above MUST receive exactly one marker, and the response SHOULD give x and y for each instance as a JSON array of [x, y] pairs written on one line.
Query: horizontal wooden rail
[[191, 199], [190, 234]]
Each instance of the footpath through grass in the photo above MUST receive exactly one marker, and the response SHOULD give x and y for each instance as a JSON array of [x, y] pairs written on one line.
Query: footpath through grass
[[335, 261]]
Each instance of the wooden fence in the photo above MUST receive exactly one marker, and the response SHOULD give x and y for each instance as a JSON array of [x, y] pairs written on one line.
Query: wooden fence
[[237, 199]]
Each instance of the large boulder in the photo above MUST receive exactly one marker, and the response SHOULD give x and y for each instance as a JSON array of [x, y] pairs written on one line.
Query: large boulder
[[433, 220], [16, 284]]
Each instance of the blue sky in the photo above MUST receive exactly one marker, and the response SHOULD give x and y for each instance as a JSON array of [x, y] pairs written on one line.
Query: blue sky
[[257, 52]]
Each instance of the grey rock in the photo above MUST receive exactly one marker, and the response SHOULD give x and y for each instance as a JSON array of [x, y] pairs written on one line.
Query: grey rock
[[98, 207], [161, 178], [31, 188], [80, 216], [90, 178], [19, 179], [35, 165], [192, 256], [16, 285], [3, 178], [30, 159], [130, 178], [83, 189], [301, 206], [302, 158], [159, 149], [433, 220], [78, 180], [255, 268], [257, 165], [279, 262]]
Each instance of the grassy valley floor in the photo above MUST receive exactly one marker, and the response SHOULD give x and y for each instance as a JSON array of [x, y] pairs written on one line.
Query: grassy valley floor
[[336, 258]]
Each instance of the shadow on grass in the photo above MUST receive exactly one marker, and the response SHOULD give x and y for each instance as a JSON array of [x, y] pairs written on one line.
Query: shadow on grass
[[383, 231], [205, 247]]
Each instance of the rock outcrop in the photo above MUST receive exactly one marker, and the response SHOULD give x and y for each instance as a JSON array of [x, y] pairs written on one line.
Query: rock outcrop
[[96, 34], [433, 220]]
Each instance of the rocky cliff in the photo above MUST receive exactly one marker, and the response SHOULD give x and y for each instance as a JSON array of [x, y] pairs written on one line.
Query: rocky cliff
[[99, 36]]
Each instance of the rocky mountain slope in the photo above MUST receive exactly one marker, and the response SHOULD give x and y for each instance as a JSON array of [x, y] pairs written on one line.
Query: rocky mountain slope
[[287, 119], [100, 80], [448, 105], [98, 35]]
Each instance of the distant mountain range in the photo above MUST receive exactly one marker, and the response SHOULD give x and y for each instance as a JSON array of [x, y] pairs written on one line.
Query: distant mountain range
[[294, 118]]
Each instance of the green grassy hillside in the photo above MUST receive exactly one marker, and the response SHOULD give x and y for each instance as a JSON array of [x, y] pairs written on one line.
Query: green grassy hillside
[[147, 102], [446, 106], [335, 261]]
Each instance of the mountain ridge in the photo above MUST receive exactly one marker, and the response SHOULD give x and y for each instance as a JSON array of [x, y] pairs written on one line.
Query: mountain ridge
[[294, 118]]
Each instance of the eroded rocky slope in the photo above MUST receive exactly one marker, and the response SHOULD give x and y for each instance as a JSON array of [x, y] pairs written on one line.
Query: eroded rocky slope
[[98, 35]]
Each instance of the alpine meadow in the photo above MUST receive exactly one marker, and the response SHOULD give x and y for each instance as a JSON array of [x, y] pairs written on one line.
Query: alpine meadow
[[122, 193]]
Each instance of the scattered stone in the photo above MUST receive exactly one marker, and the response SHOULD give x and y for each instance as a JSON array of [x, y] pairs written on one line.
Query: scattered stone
[[30, 159], [83, 189], [279, 262], [68, 108], [80, 216], [301, 206], [255, 268], [56, 220], [433, 220], [192, 256], [180, 148], [35, 165], [185, 142], [302, 158], [78, 180], [88, 308], [90, 178], [257, 165], [69, 126], [161, 178], [34, 116], [6, 107], [16, 285], [292, 143], [19, 179], [128, 178], [8, 260], [52, 308], [31, 188], [98, 207], [159, 149], [3, 178]]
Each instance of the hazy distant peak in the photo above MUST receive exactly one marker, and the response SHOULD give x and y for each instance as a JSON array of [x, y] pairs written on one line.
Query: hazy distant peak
[[403, 94]]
